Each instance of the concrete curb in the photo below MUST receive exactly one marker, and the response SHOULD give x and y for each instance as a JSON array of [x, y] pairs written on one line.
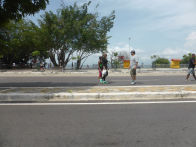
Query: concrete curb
[[37, 97]]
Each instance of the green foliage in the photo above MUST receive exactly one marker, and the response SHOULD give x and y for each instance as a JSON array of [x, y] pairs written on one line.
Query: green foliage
[[74, 58], [20, 39], [58, 32], [154, 57], [115, 54], [159, 60], [115, 62], [15, 10], [74, 30], [186, 58], [36, 53], [92, 36]]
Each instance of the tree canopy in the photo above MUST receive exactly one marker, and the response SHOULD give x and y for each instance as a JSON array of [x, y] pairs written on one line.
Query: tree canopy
[[74, 30], [186, 58], [20, 40], [15, 10], [159, 60]]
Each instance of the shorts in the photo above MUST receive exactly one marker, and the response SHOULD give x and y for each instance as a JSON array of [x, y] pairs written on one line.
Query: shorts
[[133, 72], [191, 71]]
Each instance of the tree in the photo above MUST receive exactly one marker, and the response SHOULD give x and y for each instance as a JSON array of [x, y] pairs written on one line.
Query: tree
[[73, 30], [15, 10], [154, 57], [58, 32], [159, 60], [92, 37], [186, 58], [20, 40], [115, 60]]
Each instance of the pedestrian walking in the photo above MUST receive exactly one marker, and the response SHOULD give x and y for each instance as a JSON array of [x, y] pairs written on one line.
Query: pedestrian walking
[[191, 67], [72, 65], [42, 67], [14, 65], [133, 67], [105, 68], [100, 68]]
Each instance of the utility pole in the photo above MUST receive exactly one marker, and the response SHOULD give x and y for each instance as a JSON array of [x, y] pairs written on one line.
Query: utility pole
[[129, 47]]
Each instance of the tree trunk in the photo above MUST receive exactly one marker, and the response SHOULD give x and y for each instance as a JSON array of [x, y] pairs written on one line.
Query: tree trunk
[[81, 58], [8, 60], [78, 63], [67, 59], [53, 60]]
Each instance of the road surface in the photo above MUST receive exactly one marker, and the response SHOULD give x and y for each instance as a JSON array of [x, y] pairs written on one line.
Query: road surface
[[50, 81], [143, 125]]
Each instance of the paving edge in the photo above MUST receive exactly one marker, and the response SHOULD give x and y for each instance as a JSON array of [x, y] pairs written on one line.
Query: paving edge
[[38, 97]]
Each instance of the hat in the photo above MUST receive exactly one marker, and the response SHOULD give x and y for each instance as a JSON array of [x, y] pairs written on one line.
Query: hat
[[133, 51]]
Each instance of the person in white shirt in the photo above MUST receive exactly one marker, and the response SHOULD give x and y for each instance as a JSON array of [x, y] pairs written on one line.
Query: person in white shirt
[[133, 66]]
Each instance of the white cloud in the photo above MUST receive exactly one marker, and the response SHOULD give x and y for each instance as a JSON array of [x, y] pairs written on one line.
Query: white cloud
[[144, 57], [170, 53], [156, 14], [140, 16], [191, 36], [189, 47], [124, 47], [172, 15], [191, 41], [173, 53]]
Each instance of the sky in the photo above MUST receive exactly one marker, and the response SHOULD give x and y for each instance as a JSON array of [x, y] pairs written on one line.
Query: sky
[[156, 27]]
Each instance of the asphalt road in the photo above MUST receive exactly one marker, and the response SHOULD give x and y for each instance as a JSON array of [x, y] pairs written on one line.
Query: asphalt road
[[90, 81], [144, 125]]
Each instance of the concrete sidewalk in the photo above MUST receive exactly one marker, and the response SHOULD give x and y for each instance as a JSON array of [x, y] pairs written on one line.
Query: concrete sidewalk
[[102, 93], [94, 72]]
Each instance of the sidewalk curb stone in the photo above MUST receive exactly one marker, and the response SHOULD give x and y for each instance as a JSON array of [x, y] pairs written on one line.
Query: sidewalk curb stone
[[38, 97]]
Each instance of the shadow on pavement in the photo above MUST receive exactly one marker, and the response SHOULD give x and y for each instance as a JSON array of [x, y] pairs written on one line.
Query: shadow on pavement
[[47, 84]]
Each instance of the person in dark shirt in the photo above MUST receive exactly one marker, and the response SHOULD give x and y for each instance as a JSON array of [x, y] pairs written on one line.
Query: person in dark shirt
[[191, 67], [100, 68], [105, 68]]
